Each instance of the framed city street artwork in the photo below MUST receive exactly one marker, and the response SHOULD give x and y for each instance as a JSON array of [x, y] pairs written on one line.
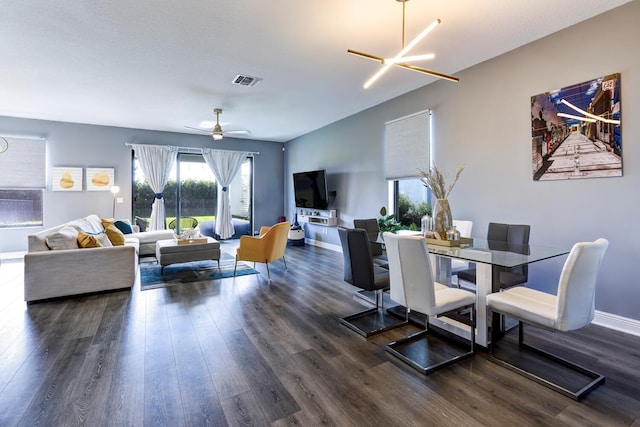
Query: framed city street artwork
[[576, 131]]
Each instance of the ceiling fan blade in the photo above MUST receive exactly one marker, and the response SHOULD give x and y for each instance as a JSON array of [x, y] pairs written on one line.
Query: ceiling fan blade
[[199, 129], [216, 131]]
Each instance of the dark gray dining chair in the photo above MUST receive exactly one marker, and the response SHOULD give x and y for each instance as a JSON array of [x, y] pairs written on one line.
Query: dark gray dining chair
[[373, 231], [360, 271], [504, 237]]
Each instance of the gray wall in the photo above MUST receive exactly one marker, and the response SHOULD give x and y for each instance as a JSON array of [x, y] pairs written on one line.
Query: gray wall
[[78, 145], [484, 122]]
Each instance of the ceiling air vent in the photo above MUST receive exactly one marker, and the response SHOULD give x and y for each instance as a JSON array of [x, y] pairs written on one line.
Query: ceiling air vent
[[244, 80]]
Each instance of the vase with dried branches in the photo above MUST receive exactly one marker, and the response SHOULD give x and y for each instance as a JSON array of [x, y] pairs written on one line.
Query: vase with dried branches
[[435, 180]]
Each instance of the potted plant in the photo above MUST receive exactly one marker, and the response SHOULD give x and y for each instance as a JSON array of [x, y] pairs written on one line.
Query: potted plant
[[387, 222]]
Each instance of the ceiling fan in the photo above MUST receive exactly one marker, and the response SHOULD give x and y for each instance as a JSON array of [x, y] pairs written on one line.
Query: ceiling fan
[[216, 130]]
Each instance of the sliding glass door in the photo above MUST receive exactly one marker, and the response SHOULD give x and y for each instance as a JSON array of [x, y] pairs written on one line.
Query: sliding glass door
[[190, 196], [195, 193]]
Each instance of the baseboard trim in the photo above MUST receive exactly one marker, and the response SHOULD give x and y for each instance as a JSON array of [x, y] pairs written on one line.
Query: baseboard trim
[[618, 323], [324, 245], [11, 255]]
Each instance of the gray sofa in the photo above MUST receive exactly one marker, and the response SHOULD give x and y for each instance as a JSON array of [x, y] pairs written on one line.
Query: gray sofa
[[51, 273]]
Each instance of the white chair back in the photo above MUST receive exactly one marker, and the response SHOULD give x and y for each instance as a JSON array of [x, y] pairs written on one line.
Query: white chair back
[[464, 227], [396, 289], [410, 273], [577, 285]]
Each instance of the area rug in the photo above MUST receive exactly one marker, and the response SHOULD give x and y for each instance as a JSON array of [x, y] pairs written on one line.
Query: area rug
[[152, 277]]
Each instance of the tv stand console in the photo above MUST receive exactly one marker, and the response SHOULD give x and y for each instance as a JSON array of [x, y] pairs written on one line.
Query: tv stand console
[[319, 220]]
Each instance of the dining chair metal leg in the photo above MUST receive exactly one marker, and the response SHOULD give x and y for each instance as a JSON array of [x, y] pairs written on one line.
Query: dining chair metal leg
[[374, 320], [416, 350], [581, 386]]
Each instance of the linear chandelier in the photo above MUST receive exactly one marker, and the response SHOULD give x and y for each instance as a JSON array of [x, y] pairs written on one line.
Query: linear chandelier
[[402, 61]]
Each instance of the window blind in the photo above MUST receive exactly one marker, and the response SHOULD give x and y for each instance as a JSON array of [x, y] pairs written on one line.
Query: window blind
[[407, 146], [23, 162]]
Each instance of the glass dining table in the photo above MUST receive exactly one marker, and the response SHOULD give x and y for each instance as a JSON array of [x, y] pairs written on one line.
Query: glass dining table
[[490, 257]]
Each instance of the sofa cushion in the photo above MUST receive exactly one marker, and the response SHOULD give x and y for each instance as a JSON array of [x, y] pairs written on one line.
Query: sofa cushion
[[65, 238], [153, 236], [115, 236], [132, 241], [88, 241]]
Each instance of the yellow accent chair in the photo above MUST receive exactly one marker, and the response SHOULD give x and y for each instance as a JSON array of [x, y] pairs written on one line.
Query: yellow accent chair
[[269, 246]]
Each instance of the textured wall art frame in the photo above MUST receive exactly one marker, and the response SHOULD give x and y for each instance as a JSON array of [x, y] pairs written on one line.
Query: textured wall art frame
[[65, 178], [576, 131], [99, 179]]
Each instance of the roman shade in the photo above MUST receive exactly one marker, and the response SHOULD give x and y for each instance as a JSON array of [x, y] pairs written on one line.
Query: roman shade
[[23, 163], [406, 147]]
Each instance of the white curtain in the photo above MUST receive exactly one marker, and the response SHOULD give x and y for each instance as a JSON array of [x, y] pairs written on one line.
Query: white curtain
[[225, 165], [156, 162]]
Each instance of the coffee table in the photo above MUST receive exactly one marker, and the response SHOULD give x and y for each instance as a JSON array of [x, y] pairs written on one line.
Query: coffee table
[[171, 251]]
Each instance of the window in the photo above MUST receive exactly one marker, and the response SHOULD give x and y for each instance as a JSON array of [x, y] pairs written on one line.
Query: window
[[22, 181], [20, 208], [412, 201], [407, 149]]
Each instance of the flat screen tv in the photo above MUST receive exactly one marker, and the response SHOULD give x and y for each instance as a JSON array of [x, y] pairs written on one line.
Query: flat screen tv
[[310, 190]]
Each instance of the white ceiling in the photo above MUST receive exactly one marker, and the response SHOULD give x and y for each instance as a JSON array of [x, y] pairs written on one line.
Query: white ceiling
[[165, 64]]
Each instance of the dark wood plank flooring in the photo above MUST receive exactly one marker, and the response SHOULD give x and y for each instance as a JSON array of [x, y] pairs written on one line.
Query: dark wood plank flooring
[[248, 352]]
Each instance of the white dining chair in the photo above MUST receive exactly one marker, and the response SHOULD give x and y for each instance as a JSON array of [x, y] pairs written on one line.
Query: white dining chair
[[572, 308], [413, 286]]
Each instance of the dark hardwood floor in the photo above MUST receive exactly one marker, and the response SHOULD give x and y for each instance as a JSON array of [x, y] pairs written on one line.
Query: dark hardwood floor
[[249, 352]]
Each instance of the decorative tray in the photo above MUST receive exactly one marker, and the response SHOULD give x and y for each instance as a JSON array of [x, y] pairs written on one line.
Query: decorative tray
[[464, 241], [192, 241]]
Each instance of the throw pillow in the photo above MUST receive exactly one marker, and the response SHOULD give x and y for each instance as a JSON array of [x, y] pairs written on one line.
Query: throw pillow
[[115, 236], [103, 239], [123, 226], [88, 241], [65, 238], [100, 237], [106, 222]]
